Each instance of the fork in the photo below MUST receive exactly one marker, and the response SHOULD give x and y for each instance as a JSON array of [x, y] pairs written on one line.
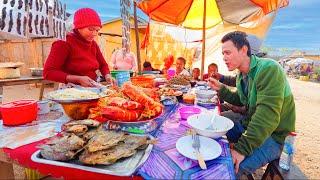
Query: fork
[[196, 146]]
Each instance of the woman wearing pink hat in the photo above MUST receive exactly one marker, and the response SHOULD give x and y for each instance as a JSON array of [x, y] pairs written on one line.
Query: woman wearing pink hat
[[77, 59]]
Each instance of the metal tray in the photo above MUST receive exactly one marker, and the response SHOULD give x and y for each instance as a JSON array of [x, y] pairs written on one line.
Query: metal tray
[[123, 167]]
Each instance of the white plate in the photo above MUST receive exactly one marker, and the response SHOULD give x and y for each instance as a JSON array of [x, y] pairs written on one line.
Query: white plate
[[209, 148]]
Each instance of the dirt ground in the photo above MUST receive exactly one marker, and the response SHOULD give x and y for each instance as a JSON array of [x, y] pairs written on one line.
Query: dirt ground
[[306, 162]]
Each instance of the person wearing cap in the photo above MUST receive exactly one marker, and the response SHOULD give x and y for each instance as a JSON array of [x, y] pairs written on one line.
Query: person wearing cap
[[77, 59], [262, 87]]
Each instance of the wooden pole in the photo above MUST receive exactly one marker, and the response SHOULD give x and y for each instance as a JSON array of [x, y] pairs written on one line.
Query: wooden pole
[[203, 37], [137, 36]]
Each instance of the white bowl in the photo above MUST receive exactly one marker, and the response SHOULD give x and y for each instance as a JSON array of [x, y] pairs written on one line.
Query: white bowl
[[200, 122], [205, 94]]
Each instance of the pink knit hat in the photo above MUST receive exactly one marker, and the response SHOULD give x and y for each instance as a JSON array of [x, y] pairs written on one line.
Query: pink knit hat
[[86, 17]]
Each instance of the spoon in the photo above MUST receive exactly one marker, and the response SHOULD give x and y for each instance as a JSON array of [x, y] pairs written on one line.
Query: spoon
[[210, 127]]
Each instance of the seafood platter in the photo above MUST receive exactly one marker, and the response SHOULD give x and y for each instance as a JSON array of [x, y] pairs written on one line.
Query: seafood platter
[[87, 145]]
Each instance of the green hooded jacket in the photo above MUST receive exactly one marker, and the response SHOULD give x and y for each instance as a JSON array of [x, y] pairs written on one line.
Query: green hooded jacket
[[270, 104]]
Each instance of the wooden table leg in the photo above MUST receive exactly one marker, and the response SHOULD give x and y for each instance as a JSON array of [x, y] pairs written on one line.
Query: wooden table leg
[[41, 91]]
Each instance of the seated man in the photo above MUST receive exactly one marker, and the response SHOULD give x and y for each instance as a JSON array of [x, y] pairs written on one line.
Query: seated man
[[263, 88], [212, 70], [148, 67], [196, 74], [180, 67]]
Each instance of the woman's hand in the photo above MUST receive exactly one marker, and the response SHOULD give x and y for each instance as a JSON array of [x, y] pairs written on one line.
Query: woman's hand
[[109, 79], [84, 81]]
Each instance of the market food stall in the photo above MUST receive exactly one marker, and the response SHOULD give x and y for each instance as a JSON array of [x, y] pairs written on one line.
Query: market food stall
[[132, 131]]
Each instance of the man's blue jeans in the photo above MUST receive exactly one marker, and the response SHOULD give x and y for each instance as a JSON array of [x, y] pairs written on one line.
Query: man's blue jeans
[[267, 152]]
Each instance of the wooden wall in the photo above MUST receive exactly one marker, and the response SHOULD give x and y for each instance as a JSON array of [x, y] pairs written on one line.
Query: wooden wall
[[32, 53]]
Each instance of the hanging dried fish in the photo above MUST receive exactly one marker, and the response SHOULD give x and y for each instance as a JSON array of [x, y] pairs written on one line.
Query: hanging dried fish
[[42, 25], [54, 7], [64, 30], [60, 30], [30, 23], [47, 26], [37, 5], [19, 23], [24, 25], [26, 5], [36, 22], [5, 1], [41, 5], [30, 4], [54, 28], [3, 18], [47, 6], [10, 21], [20, 4], [12, 2]]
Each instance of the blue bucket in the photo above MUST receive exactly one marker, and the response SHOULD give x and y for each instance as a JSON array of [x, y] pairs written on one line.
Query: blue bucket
[[122, 77]]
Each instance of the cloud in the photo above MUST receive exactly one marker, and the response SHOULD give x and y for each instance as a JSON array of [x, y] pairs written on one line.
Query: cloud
[[287, 26]]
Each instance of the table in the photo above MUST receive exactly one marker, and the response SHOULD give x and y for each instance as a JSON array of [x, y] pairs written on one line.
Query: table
[[24, 80], [162, 163]]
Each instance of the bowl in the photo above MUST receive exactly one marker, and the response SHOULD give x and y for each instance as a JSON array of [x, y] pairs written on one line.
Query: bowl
[[185, 112], [19, 112], [79, 110], [200, 122], [43, 107], [205, 94], [36, 71]]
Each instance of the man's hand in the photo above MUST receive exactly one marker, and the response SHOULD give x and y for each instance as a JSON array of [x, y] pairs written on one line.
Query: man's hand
[[237, 159], [214, 84], [238, 109], [216, 75]]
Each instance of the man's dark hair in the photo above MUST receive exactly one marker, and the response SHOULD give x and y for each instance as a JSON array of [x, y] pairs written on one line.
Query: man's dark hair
[[213, 64], [239, 39], [147, 64], [182, 59]]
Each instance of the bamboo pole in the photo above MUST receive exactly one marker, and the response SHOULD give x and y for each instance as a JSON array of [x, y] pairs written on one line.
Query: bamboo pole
[[137, 36], [203, 37]]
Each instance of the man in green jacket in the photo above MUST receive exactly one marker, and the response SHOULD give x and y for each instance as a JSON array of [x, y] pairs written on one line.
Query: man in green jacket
[[263, 88]]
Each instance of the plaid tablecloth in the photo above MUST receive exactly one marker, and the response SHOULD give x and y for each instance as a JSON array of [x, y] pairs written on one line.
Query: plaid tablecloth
[[165, 162]]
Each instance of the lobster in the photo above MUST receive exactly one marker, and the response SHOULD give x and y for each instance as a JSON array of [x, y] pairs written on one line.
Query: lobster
[[152, 107], [124, 103], [120, 114]]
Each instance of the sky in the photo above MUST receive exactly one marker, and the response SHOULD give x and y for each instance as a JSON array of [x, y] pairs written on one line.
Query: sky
[[296, 26]]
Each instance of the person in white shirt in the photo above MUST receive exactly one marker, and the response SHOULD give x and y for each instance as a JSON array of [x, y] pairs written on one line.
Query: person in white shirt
[[121, 60], [181, 62]]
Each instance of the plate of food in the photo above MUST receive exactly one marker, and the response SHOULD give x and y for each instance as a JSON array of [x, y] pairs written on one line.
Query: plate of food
[[96, 150], [71, 95]]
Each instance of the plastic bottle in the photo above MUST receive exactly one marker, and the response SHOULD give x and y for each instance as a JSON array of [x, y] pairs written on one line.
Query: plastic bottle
[[287, 152]]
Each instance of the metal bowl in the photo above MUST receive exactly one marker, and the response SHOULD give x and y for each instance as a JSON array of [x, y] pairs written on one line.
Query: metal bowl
[[79, 110], [36, 71]]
